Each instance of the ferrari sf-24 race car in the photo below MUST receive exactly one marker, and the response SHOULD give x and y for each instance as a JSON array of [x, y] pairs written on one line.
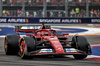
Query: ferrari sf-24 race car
[[45, 41]]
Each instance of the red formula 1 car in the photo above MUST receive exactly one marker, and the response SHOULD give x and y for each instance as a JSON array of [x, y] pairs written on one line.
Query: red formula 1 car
[[45, 41]]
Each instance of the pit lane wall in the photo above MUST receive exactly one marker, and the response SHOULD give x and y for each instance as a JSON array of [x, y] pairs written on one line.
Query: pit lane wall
[[49, 20]]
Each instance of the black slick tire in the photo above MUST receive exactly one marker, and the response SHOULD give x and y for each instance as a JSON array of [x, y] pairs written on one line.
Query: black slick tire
[[30, 46], [11, 44]]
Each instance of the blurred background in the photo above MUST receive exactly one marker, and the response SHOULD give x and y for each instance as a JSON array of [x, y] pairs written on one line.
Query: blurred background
[[50, 8]]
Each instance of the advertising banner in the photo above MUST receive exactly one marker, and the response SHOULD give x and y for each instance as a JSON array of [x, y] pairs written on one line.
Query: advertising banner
[[49, 20]]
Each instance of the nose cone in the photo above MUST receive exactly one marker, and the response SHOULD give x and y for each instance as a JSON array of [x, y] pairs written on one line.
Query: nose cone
[[56, 45]]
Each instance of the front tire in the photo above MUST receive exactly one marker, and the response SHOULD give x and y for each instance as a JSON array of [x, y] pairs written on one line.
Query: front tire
[[81, 43], [27, 44], [80, 56]]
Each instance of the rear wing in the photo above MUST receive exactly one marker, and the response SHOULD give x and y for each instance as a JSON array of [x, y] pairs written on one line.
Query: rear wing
[[27, 29]]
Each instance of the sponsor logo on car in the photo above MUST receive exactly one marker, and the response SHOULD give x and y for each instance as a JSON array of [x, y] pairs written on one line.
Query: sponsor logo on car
[[45, 50], [55, 41], [70, 50]]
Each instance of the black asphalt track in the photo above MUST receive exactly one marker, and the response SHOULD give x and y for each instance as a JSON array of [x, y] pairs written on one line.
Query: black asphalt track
[[13, 60]]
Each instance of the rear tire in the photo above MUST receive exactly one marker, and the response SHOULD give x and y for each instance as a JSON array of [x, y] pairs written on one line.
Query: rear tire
[[11, 44], [30, 45]]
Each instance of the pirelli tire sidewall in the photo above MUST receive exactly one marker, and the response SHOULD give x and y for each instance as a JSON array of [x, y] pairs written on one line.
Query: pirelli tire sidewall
[[30, 46], [12, 41]]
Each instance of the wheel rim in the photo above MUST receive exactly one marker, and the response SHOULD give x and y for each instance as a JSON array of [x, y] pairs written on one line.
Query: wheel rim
[[23, 50], [21, 47], [6, 45]]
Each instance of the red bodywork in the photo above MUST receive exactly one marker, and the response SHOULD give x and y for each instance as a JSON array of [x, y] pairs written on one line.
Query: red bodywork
[[48, 34]]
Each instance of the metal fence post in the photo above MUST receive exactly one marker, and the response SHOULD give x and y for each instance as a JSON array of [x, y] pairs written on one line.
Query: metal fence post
[[23, 8], [66, 8], [44, 9], [0, 8], [87, 8]]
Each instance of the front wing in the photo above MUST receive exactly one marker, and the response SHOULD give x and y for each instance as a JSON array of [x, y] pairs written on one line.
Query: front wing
[[67, 51]]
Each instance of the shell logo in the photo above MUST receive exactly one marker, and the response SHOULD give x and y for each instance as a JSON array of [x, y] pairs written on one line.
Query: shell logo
[[0, 29]]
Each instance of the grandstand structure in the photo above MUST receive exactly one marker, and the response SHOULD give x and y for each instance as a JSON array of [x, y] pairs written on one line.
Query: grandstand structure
[[50, 8]]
